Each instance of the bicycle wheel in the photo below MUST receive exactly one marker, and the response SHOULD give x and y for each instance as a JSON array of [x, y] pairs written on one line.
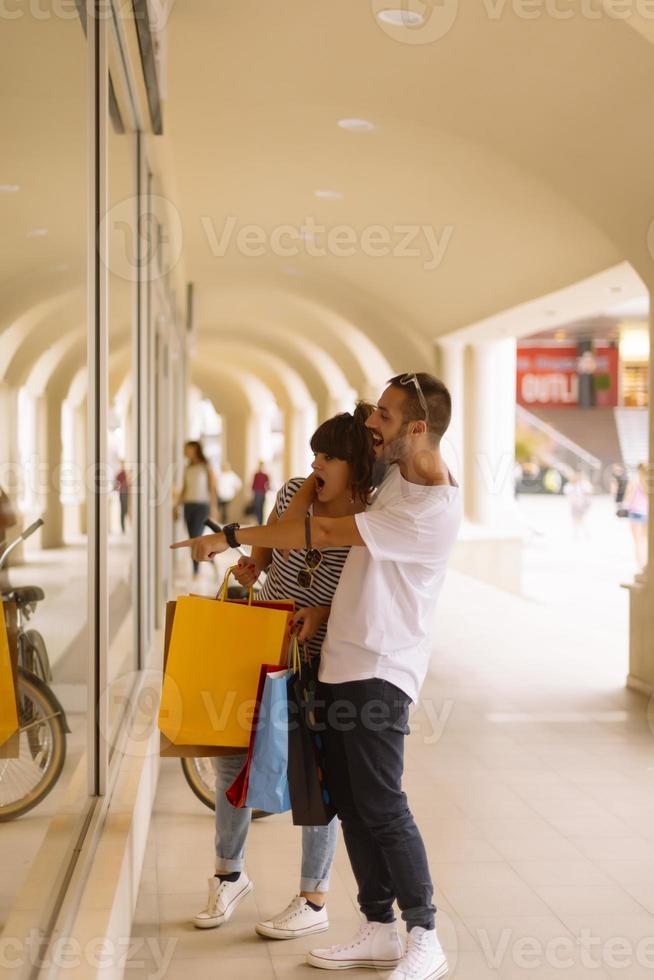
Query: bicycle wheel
[[27, 779], [201, 777], [33, 655]]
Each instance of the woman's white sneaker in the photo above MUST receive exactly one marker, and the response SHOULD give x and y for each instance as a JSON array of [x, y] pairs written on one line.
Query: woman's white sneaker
[[424, 958], [298, 919], [224, 898], [377, 945]]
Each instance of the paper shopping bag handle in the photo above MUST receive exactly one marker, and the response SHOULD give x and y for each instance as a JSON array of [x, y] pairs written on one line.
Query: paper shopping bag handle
[[294, 655], [222, 592]]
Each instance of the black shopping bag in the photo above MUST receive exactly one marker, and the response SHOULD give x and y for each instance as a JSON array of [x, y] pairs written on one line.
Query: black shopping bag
[[311, 804]]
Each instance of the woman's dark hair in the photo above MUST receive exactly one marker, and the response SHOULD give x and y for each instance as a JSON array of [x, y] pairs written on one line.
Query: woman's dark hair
[[199, 451], [345, 437]]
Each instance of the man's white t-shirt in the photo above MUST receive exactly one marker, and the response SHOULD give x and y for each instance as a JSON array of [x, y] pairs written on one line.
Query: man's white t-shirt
[[381, 617]]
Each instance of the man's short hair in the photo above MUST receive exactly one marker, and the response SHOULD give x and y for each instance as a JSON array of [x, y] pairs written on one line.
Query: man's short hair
[[437, 397]]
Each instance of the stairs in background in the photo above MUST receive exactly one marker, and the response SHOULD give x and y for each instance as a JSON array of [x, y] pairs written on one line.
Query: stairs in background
[[594, 429], [632, 426]]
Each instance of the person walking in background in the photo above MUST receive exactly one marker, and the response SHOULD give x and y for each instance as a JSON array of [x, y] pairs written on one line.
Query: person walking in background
[[619, 484], [579, 492], [636, 502], [121, 484], [260, 485], [229, 483], [198, 494]]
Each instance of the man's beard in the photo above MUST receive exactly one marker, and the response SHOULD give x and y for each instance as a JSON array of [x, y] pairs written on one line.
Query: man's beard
[[397, 449]]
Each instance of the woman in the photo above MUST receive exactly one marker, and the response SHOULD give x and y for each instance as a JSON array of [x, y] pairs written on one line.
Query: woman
[[636, 502], [343, 466], [198, 493]]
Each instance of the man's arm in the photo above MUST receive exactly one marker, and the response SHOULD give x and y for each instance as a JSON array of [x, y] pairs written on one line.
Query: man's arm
[[326, 532]]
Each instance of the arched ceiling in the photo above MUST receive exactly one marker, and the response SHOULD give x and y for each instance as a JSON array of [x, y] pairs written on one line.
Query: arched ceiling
[[323, 375], [232, 393], [517, 148], [510, 153], [287, 386]]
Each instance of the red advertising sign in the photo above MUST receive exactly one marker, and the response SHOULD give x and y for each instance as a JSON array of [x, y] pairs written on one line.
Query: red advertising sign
[[549, 376]]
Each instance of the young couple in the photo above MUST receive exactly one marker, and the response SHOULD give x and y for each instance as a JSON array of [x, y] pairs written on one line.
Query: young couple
[[374, 659]]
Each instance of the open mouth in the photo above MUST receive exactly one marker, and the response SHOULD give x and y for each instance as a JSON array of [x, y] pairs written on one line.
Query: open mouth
[[377, 440], [320, 484]]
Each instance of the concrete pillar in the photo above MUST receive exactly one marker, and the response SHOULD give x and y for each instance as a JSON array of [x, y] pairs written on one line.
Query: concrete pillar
[[9, 470], [300, 424], [49, 455], [80, 430], [344, 403], [641, 592], [450, 369], [489, 433], [9, 460], [243, 452]]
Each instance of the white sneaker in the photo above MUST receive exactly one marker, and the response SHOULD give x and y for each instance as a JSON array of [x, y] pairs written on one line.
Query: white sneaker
[[299, 919], [224, 897], [424, 958], [377, 945]]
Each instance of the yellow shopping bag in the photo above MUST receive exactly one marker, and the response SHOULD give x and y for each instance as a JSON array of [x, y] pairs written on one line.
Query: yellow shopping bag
[[212, 669], [8, 709]]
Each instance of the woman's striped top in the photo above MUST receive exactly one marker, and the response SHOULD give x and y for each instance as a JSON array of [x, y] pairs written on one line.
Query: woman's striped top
[[281, 582]]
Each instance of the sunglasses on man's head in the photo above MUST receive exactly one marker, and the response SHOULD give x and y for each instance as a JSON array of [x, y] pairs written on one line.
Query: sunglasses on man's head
[[412, 378]]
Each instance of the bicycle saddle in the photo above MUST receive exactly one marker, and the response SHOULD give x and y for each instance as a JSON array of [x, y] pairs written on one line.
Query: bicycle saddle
[[25, 594]]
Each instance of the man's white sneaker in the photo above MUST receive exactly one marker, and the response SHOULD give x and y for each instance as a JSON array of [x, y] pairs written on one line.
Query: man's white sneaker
[[377, 945], [298, 919], [224, 898], [424, 958]]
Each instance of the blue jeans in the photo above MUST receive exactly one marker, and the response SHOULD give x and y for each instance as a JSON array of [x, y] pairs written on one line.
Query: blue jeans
[[233, 823], [195, 514], [259, 504]]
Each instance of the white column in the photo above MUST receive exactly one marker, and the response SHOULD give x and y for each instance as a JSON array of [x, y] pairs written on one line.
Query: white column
[[49, 454], [242, 452], [300, 424], [9, 465], [489, 433], [641, 593], [80, 446], [9, 475], [451, 371]]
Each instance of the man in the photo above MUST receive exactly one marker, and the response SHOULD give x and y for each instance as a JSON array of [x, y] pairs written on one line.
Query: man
[[121, 484], [374, 662], [260, 485]]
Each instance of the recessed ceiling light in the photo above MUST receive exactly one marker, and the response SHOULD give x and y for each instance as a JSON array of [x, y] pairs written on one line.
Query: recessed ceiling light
[[37, 233], [9, 188], [361, 125], [328, 195], [401, 18]]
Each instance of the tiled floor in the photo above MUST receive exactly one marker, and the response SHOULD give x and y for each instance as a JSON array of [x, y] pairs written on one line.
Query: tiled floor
[[531, 772]]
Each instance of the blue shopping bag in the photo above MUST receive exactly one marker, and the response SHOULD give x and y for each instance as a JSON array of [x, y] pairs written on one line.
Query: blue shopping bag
[[268, 782]]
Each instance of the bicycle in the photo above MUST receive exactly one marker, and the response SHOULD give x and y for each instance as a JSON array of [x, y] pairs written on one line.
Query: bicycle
[[28, 778]]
